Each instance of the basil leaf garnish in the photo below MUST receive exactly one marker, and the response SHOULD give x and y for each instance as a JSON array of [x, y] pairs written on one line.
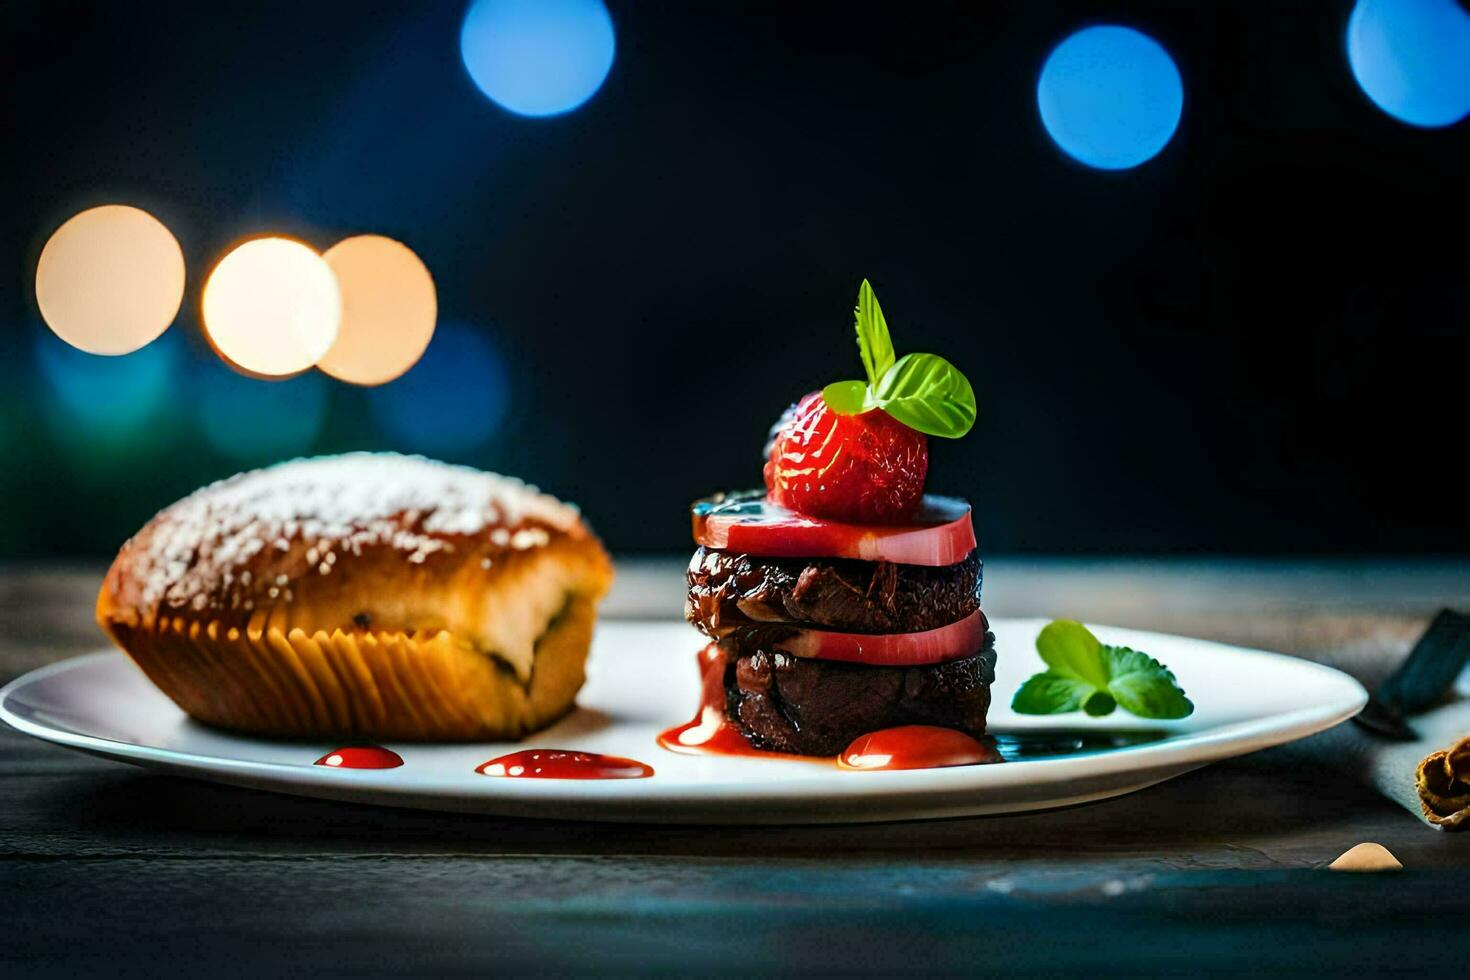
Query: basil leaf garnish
[[847, 397], [874, 344], [923, 391], [926, 392]]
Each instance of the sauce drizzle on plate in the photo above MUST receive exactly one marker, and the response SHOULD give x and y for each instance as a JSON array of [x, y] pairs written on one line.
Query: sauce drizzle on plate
[[361, 757], [917, 747], [564, 764]]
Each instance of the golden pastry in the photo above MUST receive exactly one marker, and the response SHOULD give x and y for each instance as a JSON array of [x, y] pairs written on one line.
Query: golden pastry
[[372, 595]]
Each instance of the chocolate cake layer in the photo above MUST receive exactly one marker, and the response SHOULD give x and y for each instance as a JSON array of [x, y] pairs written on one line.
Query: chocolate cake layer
[[817, 707], [729, 590]]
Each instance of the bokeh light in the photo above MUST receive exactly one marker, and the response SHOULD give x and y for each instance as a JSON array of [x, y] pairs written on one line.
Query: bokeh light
[[537, 57], [110, 280], [272, 307], [1412, 58], [253, 421], [94, 399], [388, 310], [1110, 96], [453, 400]]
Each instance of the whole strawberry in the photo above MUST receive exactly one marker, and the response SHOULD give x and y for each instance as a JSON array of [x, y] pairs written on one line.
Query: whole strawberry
[[858, 469], [857, 451]]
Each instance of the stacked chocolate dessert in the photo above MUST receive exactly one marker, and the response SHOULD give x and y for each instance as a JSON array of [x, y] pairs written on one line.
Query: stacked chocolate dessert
[[844, 601]]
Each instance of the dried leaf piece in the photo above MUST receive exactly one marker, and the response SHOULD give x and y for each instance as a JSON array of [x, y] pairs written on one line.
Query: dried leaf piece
[[1443, 781], [1366, 857]]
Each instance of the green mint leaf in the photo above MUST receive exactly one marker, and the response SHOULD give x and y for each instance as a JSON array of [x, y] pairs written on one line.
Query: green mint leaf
[[1050, 694], [1099, 703], [874, 343], [927, 393], [1070, 649], [847, 397], [1086, 674], [1143, 686]]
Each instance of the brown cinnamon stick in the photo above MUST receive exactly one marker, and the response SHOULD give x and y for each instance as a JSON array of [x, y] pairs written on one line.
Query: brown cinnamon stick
[[1443, 781]]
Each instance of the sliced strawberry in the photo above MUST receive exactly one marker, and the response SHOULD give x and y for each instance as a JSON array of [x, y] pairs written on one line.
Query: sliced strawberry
[[863, 469], [940, 533], [960, 639]]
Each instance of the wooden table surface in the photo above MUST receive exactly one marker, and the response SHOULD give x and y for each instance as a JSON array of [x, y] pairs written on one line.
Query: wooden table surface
[[104, 867]]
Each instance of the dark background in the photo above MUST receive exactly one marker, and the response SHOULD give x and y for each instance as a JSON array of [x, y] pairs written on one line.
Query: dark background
[[1257, 342]]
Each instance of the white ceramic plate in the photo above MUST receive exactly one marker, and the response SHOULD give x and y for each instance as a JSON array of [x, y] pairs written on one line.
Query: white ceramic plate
[[643, 679]]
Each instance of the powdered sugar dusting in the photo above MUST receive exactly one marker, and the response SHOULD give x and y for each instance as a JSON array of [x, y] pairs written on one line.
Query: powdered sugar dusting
[[196, 552]]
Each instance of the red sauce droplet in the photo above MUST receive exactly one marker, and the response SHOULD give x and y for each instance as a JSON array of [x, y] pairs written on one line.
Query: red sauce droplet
[[710, 732], [361, 757], [917, 747], [564, 764]]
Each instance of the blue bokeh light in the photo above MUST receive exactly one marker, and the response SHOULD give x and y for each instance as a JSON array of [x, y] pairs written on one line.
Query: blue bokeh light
[[537, 57], [254, 421], [453, 400], [1412, 58], [108, 399], [1110, 97]]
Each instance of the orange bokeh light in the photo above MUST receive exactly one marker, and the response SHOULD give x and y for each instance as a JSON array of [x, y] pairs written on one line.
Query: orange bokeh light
[[389, 307], [272, 307], [110, 280]]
